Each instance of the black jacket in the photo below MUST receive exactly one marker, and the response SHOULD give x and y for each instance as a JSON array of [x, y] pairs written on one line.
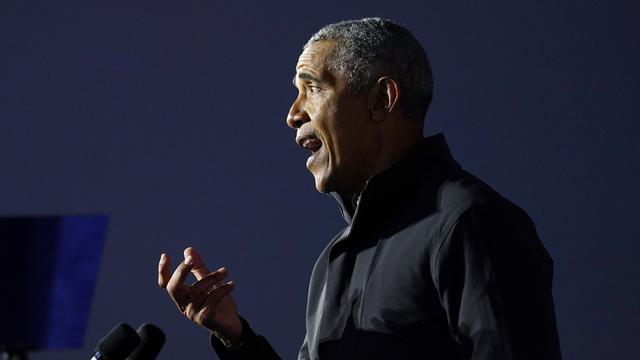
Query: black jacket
[[433, 264]]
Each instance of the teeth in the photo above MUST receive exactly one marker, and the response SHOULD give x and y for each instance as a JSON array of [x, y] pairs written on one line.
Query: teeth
[[311, 144]]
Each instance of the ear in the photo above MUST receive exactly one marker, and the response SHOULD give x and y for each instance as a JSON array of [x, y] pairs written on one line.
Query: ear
[[383, 98]]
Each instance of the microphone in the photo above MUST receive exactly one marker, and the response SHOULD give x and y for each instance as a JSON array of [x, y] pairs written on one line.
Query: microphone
[[117, 344], [152, 339]]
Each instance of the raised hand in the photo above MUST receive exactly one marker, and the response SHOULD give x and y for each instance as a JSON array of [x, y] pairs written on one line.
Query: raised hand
[[207, 302]]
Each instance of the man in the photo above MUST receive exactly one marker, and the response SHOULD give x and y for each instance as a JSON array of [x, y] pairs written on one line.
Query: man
[[433, 263]]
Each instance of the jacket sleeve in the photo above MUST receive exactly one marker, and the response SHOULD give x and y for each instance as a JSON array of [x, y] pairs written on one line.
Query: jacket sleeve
[[494, 281], [252, 346]]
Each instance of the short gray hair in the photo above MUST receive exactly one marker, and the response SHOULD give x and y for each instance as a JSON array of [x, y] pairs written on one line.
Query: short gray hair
[[369, 48]]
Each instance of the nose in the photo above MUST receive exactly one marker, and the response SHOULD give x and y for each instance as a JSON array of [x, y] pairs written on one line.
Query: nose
[[297, 115]]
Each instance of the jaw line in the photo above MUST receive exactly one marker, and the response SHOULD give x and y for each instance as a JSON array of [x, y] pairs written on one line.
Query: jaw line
[[328, 167]]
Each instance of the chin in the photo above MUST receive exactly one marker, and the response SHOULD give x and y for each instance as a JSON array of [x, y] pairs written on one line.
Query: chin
[[321, 185], [324, 183]]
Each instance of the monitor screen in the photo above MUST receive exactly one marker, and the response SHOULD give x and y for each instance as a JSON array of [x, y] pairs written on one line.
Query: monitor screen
[[49, 266]]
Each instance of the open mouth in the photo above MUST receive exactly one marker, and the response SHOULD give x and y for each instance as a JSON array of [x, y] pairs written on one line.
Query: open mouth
[[310, 143]]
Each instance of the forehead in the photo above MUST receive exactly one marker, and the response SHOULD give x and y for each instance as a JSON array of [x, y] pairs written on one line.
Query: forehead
[[313, 59]]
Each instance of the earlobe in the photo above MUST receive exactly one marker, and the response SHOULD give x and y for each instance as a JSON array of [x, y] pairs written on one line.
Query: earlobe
[[383, 98]]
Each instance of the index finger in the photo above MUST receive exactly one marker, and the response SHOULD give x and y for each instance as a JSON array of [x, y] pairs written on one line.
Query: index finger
[[163, 271], [198, 269]]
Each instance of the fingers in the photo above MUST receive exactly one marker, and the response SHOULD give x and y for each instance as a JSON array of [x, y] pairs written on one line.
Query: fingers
[[219, 292], [163, 271], [210, 280], [203, 313], [176, 282], [198, 268], [199, 302]]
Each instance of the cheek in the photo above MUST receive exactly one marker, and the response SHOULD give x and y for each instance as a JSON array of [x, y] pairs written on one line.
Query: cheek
[[328, 128], [350, 135], [340, 126]]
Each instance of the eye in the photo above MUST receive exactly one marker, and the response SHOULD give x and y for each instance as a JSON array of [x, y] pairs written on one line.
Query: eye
[[312, 89]]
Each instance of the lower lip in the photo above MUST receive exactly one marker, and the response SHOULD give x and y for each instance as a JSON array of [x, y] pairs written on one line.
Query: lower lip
[[313, 157]]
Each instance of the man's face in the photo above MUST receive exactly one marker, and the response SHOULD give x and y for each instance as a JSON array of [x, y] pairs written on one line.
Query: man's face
[[332, 123]]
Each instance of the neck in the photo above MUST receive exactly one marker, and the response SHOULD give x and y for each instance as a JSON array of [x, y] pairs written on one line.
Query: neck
[[394, 148], [391, 149]]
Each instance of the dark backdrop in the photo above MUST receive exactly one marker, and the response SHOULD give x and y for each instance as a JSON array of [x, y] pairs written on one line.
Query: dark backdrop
[[170, 117]]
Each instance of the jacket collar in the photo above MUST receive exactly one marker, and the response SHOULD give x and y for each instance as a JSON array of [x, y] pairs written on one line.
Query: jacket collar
[[402, 175]]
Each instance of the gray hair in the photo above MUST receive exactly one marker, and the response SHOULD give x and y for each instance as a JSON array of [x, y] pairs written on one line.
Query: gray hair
[[369, 48]]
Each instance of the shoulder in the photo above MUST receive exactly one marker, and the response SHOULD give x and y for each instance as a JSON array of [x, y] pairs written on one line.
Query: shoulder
[[466, 204], [463, 193], [483, 224], [470, 204]]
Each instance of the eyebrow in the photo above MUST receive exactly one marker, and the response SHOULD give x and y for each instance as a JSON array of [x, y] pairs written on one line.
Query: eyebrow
[[305, 76]]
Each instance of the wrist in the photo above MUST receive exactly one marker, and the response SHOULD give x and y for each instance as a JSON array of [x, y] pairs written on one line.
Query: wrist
[[231, 337], [229, 344]]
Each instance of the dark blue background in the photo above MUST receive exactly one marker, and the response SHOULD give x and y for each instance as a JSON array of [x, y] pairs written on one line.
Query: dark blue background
[[169, 115]]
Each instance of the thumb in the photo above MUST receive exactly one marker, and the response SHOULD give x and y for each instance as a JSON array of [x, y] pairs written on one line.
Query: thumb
[[198, 268]]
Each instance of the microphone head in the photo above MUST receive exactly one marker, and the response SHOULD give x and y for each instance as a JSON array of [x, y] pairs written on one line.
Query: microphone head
[[119, 342], [152, 339]]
